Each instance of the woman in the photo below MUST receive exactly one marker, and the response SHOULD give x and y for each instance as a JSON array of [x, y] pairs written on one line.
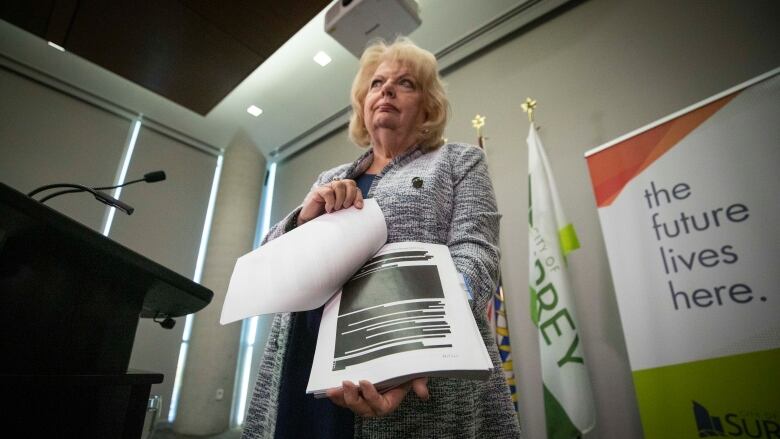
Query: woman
[[428, 193]]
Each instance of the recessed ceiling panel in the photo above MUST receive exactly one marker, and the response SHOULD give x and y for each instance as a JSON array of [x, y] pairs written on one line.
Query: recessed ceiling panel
[[192, 52]]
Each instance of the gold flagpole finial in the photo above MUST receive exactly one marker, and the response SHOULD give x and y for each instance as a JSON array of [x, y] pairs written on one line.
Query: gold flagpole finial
[[478, 122], [528, 107]]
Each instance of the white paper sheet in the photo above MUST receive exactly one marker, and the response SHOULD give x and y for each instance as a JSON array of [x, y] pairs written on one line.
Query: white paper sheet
[[303, 268]]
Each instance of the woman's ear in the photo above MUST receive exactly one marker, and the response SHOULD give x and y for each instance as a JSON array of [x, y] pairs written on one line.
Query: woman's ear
[[426, 116]]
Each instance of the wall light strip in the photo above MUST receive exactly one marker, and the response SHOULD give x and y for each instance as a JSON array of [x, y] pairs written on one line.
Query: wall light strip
[[249, 327], [127, 156], [246, 367], [187, 333], [250, 340], [185, 339], [177, 380], [204, 237], [268, 201]]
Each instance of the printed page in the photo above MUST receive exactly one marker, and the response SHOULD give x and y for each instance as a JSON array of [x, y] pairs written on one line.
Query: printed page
[[303, 268], [402, 315]]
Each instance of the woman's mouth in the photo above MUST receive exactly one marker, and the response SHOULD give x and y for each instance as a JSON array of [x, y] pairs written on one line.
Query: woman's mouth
[[387, 108]]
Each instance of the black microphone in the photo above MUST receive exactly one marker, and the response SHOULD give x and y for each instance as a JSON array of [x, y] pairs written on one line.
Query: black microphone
[[149, 177], [152, 177], [100, 196]]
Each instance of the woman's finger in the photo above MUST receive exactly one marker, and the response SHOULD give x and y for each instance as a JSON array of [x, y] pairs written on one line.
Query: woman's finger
[[349, 199], [393, 398], [354, 401], [326, 192], [420, 387], [382, 404], [373, 398], [340, 192], [359, 199], [351, 396], [336, 396]]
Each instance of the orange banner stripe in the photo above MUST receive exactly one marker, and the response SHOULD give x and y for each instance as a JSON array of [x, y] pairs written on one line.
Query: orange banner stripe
[[613, 168]]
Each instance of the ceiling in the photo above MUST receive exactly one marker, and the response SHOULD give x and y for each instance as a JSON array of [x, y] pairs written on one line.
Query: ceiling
[[193, 52], [301, 101]]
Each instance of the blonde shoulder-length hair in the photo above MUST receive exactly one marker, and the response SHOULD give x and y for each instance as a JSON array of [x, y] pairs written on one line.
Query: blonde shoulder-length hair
[[424, 67]]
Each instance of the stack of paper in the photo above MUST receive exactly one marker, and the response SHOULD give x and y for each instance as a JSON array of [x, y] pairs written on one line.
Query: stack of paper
[[393, 313]]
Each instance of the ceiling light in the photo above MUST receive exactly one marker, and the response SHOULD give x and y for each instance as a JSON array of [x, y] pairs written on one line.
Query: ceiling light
[[57, 46], [322, 58], [254, 111]]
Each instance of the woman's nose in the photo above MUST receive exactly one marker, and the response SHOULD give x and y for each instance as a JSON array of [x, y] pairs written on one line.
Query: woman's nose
[[388, 90]]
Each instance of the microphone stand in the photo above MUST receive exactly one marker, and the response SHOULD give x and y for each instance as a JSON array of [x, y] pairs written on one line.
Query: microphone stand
[[70, 191], [100, 196], [149, 177]]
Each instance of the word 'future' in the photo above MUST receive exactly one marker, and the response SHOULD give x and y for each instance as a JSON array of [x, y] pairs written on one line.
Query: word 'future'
[[687, 223]]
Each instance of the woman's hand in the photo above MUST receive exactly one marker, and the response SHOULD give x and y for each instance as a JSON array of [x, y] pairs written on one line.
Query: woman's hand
[[330, 197], [364, 400]]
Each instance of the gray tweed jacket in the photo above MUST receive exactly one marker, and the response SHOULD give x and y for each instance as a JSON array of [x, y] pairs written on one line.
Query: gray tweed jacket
[[454, 206]]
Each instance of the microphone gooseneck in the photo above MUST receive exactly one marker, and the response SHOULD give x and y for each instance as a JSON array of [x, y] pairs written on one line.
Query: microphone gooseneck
[[149, 177], [100, 196]]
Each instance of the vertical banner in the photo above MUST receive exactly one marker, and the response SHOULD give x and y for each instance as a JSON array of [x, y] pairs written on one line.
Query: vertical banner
[[690, 210], [568, 398]]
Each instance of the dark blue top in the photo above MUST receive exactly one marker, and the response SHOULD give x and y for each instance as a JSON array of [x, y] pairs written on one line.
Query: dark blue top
[[364, 183], [299, 414]]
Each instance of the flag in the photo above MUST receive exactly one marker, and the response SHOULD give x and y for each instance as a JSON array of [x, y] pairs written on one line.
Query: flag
[[496, 316], [568, 398], [496, 309], [501, 328]]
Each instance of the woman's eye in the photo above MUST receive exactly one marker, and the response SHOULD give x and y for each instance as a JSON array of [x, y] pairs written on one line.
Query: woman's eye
[[407, 83], [376, 83]]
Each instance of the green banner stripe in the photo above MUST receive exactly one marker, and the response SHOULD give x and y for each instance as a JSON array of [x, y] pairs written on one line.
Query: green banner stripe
[[569, 241], [559, 426], [736, 392]]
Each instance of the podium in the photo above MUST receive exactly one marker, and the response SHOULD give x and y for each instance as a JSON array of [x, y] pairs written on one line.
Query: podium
[[70, 300]]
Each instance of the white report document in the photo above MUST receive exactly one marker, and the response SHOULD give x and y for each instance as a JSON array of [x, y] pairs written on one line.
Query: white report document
[[394, 312]]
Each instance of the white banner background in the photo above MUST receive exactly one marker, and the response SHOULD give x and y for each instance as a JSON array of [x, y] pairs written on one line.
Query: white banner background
[[733, 157]]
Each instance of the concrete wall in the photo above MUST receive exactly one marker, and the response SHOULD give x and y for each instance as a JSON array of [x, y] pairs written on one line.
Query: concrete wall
[[210, 369]]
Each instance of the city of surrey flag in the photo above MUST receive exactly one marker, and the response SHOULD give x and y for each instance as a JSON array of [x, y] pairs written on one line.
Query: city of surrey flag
[[568, 399]]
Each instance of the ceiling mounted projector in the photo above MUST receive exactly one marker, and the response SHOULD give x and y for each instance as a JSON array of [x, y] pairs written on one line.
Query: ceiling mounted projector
[[353, 23]]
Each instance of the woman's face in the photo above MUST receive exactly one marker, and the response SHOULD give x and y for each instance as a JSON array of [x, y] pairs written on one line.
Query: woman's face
[[393, 101]]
